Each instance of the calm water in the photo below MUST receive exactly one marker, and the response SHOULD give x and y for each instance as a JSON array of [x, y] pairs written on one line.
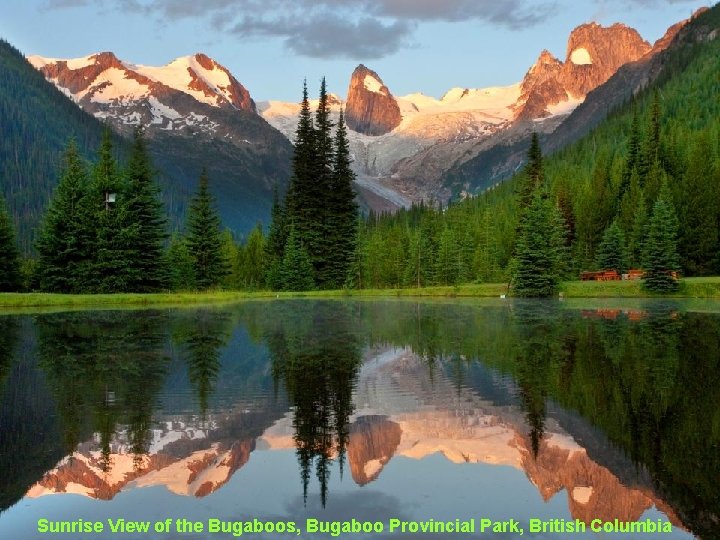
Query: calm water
[[288, 410]]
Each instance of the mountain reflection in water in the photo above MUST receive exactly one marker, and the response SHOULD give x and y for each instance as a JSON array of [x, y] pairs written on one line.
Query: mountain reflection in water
[[617, 408]]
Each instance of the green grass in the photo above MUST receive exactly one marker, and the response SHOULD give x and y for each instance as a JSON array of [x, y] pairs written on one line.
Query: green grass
[[705, 287], [690, 288]]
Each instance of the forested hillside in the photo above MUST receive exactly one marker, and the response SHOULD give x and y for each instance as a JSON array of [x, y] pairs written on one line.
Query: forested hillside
[[669, 134], [36, 121]]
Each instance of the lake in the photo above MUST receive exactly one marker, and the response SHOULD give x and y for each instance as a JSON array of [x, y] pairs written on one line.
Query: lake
[[268, 418]]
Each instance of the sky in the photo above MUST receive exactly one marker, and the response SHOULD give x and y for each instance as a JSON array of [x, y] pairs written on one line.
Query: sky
[[270, 46]]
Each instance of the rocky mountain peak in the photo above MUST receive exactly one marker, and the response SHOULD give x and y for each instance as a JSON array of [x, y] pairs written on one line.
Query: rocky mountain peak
[[371, 109], [594, 54]]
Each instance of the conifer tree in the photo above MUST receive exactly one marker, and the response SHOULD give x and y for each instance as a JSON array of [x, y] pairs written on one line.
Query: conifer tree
[[146, 222], [343, 212], [105, 213], [300, 201], [297, 270], [252, 260], [650, 151], [180, 264], [275, 245], [534, 175], [698, 211], [660, 256], [612, 254], [9, 255], [64, 240], [540, 249], [636, 237], [320, 243], [634, 150], [486, 254], [204, 238]]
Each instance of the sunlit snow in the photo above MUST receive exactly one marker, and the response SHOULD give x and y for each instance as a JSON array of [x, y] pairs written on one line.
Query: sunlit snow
[[581, 56], [372, 84]]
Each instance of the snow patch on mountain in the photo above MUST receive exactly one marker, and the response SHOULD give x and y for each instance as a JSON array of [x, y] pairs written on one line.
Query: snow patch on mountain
[[74, 63], [178, 74], [161, 112], [114, 85], [581, 56], [372, 84], [565, 107]]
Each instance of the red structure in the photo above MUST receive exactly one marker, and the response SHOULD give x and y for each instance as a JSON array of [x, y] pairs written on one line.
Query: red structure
[[603, 275]]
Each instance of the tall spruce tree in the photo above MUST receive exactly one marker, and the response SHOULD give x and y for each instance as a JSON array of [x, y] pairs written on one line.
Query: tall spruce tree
[[146, 222], [301, 199], [105, 213], [65, 240], [275, 244], [320, 244], [634, 153], [660, 255], [343, 212], [204, 238], [297, 270], [612, 252], [9, 255], [534, 175], [181, 274], [540, 249]]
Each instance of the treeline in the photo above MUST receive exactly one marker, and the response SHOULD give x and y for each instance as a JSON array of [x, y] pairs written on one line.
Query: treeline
[[105, 231]]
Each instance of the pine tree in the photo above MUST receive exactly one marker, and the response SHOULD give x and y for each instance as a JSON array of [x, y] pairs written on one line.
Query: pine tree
[[540, 249], [634, 150], [231, 254], [612, 253], [321, 242], [9, 255], [104, 210], [146, 222], [252, 266], [636, 237], [204, 238], [486, 254], [64, 241], [650, 151], [297, 270], [275, 245], [534, 175], [660, 256], [301, 200], [697, 210], [181, 272], [343, 212]]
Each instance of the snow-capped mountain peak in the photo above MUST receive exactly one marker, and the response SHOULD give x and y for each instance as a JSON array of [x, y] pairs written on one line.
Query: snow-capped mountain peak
[[102, 77], [190, 95]]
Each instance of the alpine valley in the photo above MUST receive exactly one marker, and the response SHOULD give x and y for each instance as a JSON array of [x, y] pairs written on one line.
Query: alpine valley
[[405, 149]]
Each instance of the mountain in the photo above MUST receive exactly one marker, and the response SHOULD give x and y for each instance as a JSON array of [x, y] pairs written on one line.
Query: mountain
[[404, 146], [196, 114], [594, 54], [492, 164], [371, 109], [36, 121]]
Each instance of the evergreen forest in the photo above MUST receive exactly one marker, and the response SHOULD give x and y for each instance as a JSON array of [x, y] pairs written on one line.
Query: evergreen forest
[[640, 192]]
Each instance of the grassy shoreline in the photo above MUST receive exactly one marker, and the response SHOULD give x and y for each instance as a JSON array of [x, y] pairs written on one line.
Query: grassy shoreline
[[690, 288]]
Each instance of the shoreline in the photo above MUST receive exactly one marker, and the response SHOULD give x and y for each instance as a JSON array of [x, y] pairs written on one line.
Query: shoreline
[[707, 288]]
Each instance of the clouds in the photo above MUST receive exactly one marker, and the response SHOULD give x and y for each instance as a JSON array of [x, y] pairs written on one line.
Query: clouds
[[330, 36], [354, 29]]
